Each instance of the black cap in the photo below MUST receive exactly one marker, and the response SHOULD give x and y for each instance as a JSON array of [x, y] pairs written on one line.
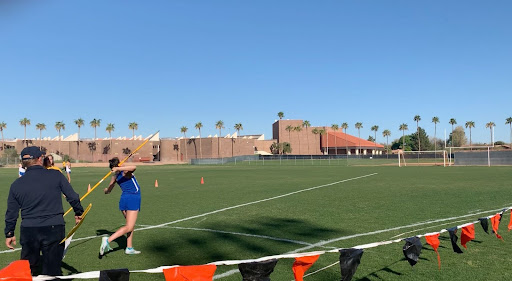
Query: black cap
[[31, 152]]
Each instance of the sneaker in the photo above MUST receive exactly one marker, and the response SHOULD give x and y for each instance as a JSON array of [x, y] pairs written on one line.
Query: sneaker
[[105, 247], [131, 251]]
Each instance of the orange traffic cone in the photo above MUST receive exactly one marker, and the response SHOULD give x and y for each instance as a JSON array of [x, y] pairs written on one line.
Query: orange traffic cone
[[89, 188], [156, 183], [202, 180]]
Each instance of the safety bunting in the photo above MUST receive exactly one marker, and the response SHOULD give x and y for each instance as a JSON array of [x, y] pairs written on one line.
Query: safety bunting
[[262, 268]]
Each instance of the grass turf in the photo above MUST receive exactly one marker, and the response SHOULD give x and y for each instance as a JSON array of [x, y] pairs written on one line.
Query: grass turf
[[251, 211]]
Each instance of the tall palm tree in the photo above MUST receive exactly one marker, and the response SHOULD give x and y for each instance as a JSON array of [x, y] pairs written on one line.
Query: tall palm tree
[[25, 122], [133, 126], [322, 132], [40, 127], [3, 125], [452, 122], [435, 120], [238, 127], [315, 132], [344, 126], [110, 128], [375, 128], [386, 133], [335, 128], [79, 123], [95, 123], [298, 129], [59, 125], [289, 128], [198, 126], [417, 118], [219, 125], [403, 128], [490, 125], [509, 122], [184, 131], [306, 125], [358, 126], [470, 124], [280, 114]]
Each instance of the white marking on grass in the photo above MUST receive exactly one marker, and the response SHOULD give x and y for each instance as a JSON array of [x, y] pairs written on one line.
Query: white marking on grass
[[420, 229]]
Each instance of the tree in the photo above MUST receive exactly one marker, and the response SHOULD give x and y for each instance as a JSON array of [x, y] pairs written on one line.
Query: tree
[[375, 128], [322, 132], [403, 127], [344, 126], [280, 114], [60, 126], [198, 126], [490, 125], [219, 125], [358, 126], [371, 138], [386, 133], [287, 148], [470, 124], [110, 128], [25, 122], [306, 125], [420, 137], [289, 128], [79, 123], [238, 127], [458, 137], [184, 130], [452, 122], [315, 132], [133, 126], [40, 127], [3, 125], [509, 122], [435, 120], [298, 129], [417, 118], [335, 128]]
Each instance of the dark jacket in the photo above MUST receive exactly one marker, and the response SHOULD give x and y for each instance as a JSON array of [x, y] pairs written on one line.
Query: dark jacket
[[38, 195]]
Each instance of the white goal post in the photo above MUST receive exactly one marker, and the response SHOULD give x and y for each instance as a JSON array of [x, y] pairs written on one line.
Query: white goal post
[[433, 157]]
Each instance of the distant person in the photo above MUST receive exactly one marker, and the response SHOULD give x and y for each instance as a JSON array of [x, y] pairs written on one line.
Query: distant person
[[68, 170], [49, 164], [21, 170], [129, 205], [37, 195]]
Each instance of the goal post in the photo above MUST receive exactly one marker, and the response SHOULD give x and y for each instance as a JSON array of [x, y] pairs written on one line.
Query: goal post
[[423, 158]]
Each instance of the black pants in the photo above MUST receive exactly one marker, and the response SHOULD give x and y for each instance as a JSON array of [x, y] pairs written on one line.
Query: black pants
[[43, 240]]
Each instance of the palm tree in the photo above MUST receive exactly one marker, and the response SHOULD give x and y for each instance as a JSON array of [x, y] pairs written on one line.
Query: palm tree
[[198, 126], [509, 122], [219, 125], [386, 133], [344, 126], [470, 124], [95, 123], [315, 132], [490, 125], [417, 118], [133, 126], [375, 128], [25, 122], [280, 114], [237, 127], [358, 126], [3, 125], [110, 128], [403, 128], [289, 128], [298, 129], [59, 125], [435, 120], [184, 131], [335, 128], [452, 122], [40, 127], [322, 132], [79, 123], [306, 125]]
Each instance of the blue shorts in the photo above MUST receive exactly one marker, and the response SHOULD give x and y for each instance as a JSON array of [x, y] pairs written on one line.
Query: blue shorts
[[129, 202]]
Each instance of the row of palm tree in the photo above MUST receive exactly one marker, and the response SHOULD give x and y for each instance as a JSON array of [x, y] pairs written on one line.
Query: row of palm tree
[[219, 125]]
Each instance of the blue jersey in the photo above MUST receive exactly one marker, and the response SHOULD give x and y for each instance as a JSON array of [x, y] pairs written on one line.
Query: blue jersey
[[128, 185]]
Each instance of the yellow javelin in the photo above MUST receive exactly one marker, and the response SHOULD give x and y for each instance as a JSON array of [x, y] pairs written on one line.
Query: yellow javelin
[[110, 172]]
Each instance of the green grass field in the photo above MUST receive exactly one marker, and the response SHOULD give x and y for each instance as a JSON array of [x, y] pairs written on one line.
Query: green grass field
[[252, 211]]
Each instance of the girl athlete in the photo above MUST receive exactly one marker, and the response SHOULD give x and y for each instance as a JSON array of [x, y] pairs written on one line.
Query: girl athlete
[[21, 170], [129, 205], [49, 164], [68, 170]]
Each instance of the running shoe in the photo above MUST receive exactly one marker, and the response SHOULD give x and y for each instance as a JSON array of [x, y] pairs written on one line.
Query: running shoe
[[105, 247], [131, 251]]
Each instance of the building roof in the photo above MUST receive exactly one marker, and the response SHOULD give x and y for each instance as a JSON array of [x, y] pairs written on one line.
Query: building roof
[[341, 140]]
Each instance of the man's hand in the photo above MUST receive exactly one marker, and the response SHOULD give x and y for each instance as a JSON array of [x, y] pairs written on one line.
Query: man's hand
[[78, 219], [9, 241], [106, 190]]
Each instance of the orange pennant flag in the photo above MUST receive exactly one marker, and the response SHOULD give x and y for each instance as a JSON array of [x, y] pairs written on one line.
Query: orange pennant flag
[[495, 221], [433, 240], [301, 265], [468, 234], [190, 273], [510, 223], [16, 271]]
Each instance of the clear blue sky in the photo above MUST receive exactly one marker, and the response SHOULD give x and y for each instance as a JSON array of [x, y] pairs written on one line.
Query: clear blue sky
[[167, 64]]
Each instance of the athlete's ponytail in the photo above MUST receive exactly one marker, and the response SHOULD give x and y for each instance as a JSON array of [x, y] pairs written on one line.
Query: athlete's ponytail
[[114, 162]]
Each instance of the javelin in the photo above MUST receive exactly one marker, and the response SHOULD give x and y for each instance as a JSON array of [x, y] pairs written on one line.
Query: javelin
[[110, 172]]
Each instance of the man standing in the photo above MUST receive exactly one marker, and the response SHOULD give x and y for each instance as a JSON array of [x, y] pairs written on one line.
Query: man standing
[[38, 195]]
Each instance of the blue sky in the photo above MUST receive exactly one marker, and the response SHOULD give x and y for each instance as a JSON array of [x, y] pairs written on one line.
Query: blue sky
[[167, 64]]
